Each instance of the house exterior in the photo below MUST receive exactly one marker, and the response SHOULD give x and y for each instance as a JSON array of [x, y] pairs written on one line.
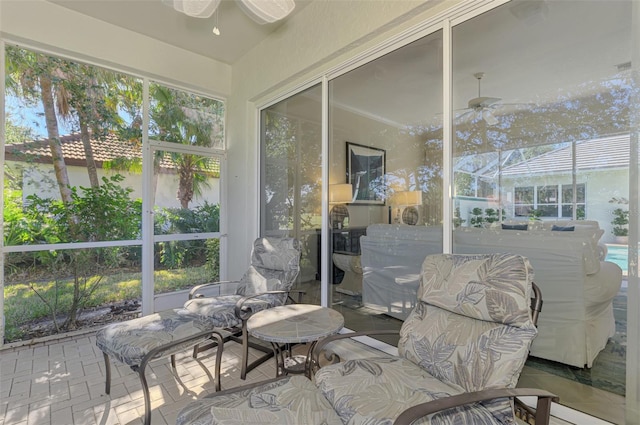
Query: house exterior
[[32, 161], [600, 164]]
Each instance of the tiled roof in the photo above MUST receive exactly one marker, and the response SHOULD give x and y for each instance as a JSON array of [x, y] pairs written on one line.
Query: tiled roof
[[607, 152], [107, 149]]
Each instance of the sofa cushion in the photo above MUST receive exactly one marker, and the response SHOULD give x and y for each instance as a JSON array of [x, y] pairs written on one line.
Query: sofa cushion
[[404, 232], [555, 228], [514, 226], [377, 390]]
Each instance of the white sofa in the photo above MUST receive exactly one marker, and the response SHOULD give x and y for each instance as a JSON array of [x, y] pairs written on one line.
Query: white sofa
[[577, 285], [391, 257]]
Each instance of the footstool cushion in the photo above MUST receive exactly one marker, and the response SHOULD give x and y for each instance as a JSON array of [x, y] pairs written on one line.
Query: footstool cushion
[[130, 341]]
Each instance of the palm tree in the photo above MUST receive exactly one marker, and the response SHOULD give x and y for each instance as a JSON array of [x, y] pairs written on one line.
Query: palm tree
[[29, 76], [179, 117], [82, 100]]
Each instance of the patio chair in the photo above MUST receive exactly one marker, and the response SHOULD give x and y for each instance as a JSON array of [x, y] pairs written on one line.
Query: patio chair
[[460, 354], [274, 267], [267, 283]]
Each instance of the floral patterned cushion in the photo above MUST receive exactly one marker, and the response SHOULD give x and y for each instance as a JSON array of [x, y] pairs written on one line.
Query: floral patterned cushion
[[470, 330], [375, 391], [276, 254], [131, 340], [275, 264], [220, 311], [468, 353], [495, 288], [289, 401]]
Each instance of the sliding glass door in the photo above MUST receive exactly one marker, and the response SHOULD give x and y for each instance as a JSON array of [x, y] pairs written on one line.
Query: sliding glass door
[[385, 185], [543, 162], [541, 153], [291, 179]]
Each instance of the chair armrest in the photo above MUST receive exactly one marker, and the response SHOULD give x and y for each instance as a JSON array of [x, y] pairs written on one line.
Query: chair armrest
[[334, 358], [543, 408], [299, 294], [228, 286], [244, 311]]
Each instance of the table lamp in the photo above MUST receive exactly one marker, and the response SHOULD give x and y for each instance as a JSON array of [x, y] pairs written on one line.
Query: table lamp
[[408, 199], [339, 194]]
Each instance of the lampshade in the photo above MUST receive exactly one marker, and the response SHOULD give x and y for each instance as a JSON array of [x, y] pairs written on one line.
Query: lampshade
[[412, 197], [340, 193], [267, 11], [196, 8]]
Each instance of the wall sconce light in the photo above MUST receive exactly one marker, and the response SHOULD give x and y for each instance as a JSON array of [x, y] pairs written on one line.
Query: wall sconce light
[[339, 194]]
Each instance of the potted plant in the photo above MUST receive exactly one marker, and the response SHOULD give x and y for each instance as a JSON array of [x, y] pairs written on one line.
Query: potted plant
[[620, 222], [476, 219], [457, 220]]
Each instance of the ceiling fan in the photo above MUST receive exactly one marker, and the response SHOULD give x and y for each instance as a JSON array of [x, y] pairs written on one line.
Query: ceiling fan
[[261, 11], [481, 106]]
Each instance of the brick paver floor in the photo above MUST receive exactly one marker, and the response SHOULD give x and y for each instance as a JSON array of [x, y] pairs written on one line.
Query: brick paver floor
[[61, 381]]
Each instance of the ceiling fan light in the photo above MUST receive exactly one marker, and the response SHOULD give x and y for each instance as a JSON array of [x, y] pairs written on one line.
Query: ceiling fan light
[[489, 118], [267, 11], [196, 8]]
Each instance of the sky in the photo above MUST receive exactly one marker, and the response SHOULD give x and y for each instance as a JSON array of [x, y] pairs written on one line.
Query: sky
[[31, 116]]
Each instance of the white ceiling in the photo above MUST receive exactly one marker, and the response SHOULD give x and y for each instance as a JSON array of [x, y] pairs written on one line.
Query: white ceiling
[[153, 18]]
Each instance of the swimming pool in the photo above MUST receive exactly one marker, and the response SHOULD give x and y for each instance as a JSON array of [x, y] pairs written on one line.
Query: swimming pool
[[618, 254]]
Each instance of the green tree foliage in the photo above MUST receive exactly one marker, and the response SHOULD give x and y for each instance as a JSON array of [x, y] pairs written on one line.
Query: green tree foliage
[[101, 213], [174, 254]]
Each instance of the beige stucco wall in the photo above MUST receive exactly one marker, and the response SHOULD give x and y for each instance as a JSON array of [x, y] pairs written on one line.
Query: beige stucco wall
[[39, 179], [323, 35]]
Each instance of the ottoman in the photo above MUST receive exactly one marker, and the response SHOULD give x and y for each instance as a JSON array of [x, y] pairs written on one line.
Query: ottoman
[[138, 341]]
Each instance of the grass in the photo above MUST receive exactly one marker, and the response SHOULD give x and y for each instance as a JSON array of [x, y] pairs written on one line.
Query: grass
[[22, 305]]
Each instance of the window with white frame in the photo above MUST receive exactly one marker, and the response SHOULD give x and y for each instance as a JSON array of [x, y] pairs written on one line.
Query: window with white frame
[[549, 201]]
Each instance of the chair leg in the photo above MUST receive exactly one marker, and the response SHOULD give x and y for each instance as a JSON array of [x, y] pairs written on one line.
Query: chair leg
[[245, 350], [217, 377], [107, 369], [173, 361], [147, 397]]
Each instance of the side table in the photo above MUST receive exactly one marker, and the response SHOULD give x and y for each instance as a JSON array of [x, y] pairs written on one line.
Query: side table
[[294, 324]]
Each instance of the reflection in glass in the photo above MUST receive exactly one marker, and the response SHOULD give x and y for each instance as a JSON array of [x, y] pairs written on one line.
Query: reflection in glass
[[291, 181], [385, 109], [556, 150]]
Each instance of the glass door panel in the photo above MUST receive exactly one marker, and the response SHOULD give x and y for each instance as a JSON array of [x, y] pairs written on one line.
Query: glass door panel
[[385, 186], [542, 120], [291, 180]]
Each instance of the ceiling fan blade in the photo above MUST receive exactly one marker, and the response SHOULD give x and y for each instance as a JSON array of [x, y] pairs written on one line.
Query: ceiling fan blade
[[196, 8], [465, 116], [482, 102]]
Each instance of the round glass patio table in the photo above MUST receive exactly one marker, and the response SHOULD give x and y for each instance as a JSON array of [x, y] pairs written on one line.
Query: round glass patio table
[[287, 325]]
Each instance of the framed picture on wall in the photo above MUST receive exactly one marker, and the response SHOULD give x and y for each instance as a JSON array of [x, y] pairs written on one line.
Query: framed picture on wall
[[366, 173]]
